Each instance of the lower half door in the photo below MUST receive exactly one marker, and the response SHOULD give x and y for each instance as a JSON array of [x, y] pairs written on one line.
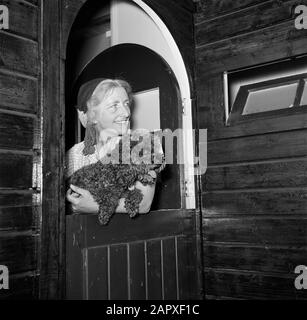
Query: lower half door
[[151, 257]]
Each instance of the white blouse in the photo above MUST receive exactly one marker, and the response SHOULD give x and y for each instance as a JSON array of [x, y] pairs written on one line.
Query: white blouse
[[75, 159]]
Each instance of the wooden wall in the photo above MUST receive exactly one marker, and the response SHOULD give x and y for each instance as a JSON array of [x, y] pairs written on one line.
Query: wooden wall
[[31, 151], [254, 194], [20, 151]]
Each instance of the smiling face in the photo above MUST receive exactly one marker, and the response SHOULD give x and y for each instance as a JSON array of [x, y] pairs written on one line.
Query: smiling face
[[112, 113]]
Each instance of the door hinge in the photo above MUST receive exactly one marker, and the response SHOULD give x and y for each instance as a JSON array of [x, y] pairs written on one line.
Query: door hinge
[[183, 104]]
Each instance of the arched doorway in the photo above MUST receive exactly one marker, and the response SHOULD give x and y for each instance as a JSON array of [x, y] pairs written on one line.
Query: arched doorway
[[153, 256], [145, 70]]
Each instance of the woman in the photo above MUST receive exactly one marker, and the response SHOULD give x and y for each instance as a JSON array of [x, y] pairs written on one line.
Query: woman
[[104, 109]]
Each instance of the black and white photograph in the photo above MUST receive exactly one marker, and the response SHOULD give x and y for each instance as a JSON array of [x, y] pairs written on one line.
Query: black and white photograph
[[153, 153]]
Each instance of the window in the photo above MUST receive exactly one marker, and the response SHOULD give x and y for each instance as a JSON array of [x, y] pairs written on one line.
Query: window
[[266, 91]]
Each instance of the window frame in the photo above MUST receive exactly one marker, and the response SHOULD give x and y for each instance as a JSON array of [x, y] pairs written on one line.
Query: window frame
[[236, 116]]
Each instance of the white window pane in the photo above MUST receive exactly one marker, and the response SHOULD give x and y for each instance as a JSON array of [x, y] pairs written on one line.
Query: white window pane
[[268, 99], [304, 96], [146, 111]]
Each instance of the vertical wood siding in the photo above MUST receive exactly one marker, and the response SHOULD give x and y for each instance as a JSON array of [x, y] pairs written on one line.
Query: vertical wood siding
[[254, 192]]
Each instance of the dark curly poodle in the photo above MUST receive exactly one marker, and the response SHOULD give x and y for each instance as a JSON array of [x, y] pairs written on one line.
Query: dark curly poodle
[[113, 178]]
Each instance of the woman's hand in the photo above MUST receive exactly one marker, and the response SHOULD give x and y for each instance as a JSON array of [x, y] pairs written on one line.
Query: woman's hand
[[148, 192], [81, 200]]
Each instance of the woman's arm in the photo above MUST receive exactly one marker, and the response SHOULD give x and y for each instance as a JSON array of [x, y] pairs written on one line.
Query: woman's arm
[[148, 194], [82, 201]]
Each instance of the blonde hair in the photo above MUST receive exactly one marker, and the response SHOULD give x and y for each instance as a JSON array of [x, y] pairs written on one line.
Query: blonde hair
[[102, 91]]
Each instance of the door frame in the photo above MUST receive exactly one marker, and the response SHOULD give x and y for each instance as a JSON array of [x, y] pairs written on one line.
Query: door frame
[[54, 37]]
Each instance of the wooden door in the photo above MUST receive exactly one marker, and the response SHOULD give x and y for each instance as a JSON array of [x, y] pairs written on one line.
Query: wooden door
[[152, 256]]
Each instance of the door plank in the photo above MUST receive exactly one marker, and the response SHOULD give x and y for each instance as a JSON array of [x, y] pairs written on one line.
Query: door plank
[[118, 272], [170, 269], [154, 272], [98, 273], [140, 228], [137, 280], [74, 259]]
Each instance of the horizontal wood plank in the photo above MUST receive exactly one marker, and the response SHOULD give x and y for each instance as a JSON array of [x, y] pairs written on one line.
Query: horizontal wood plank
[[213, 8], [259, 259], [13, 199], [19, 218], [18, 93], [260, 147], [16, 131], [18, 54], [186, 5], [19, 253], [260, 231], [262, 175], [256, 202], [15, 171], [34, 2], [23, 18], [248, 50], [218, 129], [251, 286], [22, 287], [137, 229], [244, 21]]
